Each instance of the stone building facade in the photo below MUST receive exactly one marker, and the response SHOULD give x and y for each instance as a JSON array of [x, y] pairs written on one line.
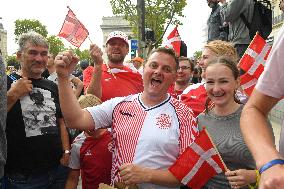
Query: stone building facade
[[3, 42], [115, 23]]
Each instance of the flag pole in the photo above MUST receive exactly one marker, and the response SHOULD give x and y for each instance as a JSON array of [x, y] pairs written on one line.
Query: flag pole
[[90, 40], [216, 149]]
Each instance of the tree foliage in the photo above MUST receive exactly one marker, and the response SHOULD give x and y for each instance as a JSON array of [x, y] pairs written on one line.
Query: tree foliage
[[83, 55], [12, 61], [157, 13], [197, 55], [55, 45], [26, 25]]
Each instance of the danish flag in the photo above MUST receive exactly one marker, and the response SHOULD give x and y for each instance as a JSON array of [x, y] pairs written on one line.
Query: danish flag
[[174, 41], [253, 62], [73, 30], [198, 163], [248, 83]]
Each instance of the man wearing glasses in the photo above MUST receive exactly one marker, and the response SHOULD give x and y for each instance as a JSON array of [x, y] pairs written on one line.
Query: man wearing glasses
[[184, 75]]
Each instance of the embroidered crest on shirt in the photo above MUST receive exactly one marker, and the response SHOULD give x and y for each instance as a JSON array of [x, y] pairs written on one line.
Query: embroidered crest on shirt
[[164, 121]]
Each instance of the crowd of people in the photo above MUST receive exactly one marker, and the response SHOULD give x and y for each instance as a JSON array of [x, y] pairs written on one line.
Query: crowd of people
[[126, 123]]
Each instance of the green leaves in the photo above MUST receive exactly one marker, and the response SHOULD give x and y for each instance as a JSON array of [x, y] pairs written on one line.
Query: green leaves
[[26, 25], [157, 13], [55, 45]]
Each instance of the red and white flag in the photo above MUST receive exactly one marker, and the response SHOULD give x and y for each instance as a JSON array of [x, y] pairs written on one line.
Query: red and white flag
[[198, 163], [248, 83], [174, 41], [253, 63], [73, 30], [254, 59]]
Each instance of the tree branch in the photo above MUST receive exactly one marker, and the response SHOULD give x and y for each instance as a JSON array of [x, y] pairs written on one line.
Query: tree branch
[[172, 16]]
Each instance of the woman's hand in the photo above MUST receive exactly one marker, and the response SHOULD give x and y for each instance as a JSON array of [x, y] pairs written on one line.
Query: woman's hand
[[241, 177]]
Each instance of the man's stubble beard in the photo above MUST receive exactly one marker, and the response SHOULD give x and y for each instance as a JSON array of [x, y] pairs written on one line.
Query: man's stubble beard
[[116, 60]]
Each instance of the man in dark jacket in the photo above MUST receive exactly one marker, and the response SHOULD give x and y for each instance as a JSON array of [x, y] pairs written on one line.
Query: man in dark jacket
[[217, 28], [238, 32]]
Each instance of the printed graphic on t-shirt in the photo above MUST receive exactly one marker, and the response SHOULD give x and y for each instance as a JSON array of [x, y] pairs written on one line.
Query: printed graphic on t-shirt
[[164, 121], [38, 109]]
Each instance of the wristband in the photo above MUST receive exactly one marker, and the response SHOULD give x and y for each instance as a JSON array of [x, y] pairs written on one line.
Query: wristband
[[270, 164], [256, 181]]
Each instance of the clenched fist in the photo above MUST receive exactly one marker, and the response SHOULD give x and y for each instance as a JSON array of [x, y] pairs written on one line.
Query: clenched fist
[[65, 63]]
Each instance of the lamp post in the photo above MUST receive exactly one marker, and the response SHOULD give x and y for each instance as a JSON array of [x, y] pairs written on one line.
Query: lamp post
[[141, 27]]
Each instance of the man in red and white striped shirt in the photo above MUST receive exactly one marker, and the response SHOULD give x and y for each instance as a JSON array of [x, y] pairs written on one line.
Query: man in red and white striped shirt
[[150, 129]]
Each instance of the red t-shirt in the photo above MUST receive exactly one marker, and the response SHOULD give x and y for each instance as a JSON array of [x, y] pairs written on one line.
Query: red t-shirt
[[94, 158], [120, 82], [87, 76], [174, 93], [195, 97]]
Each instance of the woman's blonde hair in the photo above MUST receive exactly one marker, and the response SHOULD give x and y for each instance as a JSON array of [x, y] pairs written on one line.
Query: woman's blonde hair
[[223, 48], [88, 100]]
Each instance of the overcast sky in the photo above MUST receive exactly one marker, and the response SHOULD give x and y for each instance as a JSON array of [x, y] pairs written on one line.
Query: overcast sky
[[90, 13]]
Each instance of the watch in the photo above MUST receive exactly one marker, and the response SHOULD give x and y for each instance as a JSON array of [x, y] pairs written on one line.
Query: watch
[[67, 152]]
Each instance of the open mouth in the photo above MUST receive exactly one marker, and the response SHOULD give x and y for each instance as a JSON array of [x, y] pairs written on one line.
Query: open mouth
[[116, 52], [155, 82]]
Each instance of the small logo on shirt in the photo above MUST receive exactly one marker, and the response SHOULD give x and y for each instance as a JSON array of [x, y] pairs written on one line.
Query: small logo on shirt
[[110, 146], [126, 113], [164, 121], [88, 153], [193, 97]]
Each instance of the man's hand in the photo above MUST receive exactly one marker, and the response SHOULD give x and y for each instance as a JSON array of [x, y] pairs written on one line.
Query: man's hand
[[272, 178], [64, 160], [21, 88], [65, 63], [133, 174], [96, 55]]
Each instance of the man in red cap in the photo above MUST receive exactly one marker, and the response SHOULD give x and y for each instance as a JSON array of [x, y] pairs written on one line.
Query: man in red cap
[[113, 79]]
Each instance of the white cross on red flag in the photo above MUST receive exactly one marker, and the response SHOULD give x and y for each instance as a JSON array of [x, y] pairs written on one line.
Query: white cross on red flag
[[253, 62], [73, 30], [198, 163], [174, 41]]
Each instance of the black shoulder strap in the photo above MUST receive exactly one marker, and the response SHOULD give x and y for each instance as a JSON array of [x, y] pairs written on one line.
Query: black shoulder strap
[[245, 20]]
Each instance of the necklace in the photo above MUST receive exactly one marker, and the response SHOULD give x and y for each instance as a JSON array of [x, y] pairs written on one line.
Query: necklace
[[109, 71]]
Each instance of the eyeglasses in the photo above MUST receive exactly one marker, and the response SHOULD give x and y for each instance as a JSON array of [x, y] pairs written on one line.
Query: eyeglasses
[[184, 68]]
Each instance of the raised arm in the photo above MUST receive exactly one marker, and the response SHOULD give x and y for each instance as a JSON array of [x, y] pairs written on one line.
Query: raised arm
[[74, 116], [95, 86], [260, 140]]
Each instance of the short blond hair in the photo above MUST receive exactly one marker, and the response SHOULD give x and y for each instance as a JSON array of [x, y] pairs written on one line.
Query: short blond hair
[[88, 100], [223, 48]]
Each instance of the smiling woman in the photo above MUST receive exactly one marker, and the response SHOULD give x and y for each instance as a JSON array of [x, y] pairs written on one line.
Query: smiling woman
[[223, 124]]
